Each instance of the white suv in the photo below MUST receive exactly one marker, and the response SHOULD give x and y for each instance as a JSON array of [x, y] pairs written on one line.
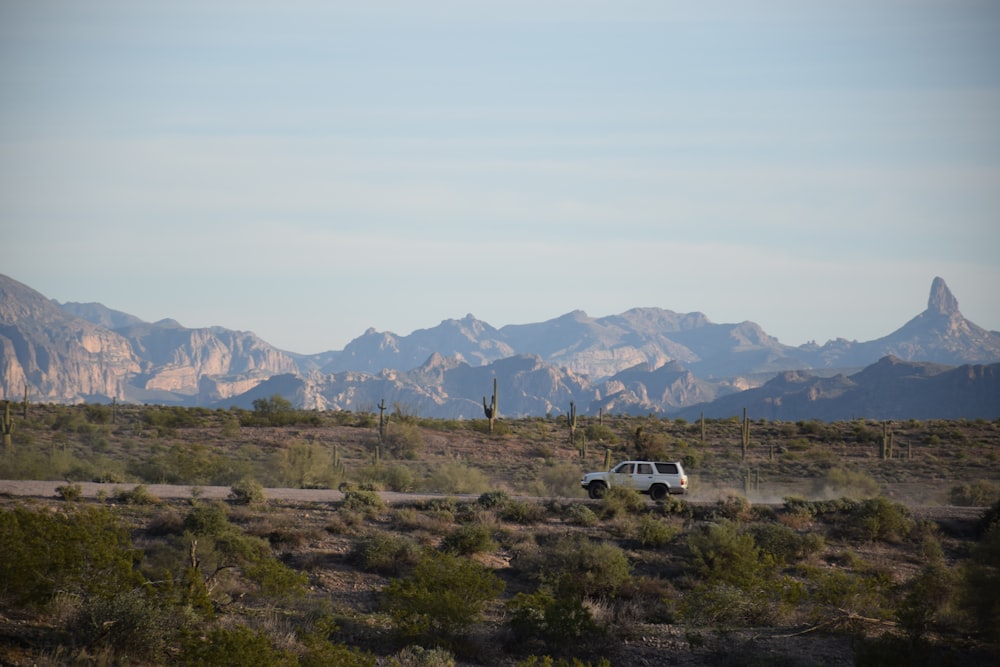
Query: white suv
[[657, 478]]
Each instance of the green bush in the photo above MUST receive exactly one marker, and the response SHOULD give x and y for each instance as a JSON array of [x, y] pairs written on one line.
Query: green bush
[[385, 553], [548, 661], [595, 567], [206, 519], [443, 596], [137, 495], [365, 502], [496, 499], [404, 440], [600, 433], [783, 544], [980, 595], [84, 552], [454, 477], [720, 553], [879, 519], [980, 493], [558, 620], [580, 514], [621, 501], [653, 532], [129, 623], [522, 512], [70, 492], [247, 491], [238, 645], [471, 538]]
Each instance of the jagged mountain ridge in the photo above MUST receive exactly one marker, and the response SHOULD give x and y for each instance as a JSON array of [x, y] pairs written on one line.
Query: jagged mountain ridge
[[641, 361], [888, 389]]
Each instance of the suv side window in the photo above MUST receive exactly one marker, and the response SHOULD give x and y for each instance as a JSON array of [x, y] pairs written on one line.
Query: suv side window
[[624, 468], [667, 468], [645, 469]]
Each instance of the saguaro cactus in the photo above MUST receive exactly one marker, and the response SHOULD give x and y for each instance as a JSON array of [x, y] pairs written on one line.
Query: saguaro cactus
[[571, 420], [491, 409], [744, 435], [381, 421], [885, 450], [6, 425]]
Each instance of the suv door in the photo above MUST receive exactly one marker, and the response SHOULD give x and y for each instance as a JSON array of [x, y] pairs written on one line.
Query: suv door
[[621, 474], [642, 478]]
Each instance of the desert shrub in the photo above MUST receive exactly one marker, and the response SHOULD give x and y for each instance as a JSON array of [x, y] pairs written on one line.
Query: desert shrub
[[559, 620], [834, 592], [397, 478], [471, 538], [418, 656], [549, 661], [673, 505], [653, 532], [560, 479], [879, 519], [137, 495], [980, 493], [597, 568], [304, 465], [621, 501], [70, 492], [980, 583], [365, 502], [442, 596], [238, 645], [717, 604], [732, 508], [783, 544], [927, 598], [404, 440], [600, 433], [496, 499], [454, 477], [247, 491], [129, 623], [83, 552], [384, 553], [720, 553], [167, 521], [581, 515], [206, 519], [522, 512]]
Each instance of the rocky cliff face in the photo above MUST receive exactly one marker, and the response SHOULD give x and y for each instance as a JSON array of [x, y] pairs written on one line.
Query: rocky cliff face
[[645, 360], [61, 356], [58, 357]]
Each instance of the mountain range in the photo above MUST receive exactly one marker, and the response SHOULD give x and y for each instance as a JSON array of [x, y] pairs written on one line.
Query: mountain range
[[642, 361]]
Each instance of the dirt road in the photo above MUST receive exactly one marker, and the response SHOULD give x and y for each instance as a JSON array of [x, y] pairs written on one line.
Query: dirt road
[[47, 489]]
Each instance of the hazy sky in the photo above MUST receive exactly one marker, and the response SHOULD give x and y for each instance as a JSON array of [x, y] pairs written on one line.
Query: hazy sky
[[306, 170]]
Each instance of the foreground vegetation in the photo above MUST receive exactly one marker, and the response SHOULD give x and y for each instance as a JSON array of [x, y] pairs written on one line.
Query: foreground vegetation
[[802, 544]]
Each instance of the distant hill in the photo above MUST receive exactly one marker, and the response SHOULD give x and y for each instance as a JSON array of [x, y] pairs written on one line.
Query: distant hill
[[888, 389], [642, 361]]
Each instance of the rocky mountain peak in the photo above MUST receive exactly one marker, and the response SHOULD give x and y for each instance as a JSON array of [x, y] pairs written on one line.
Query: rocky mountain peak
[[941, 299]]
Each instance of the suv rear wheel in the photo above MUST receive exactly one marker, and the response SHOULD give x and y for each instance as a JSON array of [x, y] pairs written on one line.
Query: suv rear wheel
[[597, 490], [658, 492]]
